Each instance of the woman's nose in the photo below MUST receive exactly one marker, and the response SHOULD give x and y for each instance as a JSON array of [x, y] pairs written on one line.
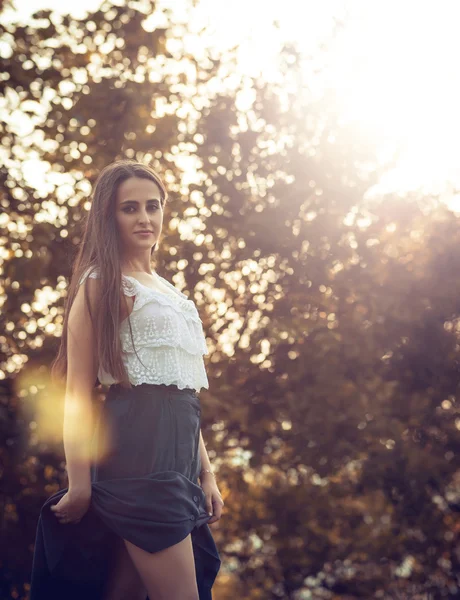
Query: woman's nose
[[144, 216]]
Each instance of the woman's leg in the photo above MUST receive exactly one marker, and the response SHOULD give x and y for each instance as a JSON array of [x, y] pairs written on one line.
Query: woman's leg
[[123, 582], [168, 574]]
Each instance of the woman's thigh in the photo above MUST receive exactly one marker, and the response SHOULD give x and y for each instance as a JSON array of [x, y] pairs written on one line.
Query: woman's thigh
[[168, 574], [124, 581]]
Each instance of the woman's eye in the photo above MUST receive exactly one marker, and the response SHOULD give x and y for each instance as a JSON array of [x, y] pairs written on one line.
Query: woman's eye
[[151, 207]]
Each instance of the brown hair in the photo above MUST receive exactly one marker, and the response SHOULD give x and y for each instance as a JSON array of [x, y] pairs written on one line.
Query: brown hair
[[100, 249]]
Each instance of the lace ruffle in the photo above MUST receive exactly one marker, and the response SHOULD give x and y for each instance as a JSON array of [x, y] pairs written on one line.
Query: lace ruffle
[[144, 294], [128, 287], [165, 328], [167, 365], [92, 272]]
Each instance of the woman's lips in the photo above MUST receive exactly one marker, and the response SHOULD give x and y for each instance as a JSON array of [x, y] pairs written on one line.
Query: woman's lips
[[146, 233]]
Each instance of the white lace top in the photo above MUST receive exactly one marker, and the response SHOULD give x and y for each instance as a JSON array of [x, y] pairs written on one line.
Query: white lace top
[[168, 336]]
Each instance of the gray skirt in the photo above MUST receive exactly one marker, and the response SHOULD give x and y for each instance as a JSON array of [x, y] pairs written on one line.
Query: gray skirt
[[144, 489]]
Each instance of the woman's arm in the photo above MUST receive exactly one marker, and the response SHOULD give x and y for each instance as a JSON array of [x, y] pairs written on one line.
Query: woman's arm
[[77, 439], [214, 501], [205, 462], [82, 367]]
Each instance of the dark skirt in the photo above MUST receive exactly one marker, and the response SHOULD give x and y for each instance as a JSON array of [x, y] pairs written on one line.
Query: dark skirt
[[144, 489]]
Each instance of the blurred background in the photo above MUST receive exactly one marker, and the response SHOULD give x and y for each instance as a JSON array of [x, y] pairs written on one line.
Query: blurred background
[[311, 154]]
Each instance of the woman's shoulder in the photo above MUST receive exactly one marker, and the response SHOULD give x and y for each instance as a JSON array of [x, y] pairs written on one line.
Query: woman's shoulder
[[93, 271]]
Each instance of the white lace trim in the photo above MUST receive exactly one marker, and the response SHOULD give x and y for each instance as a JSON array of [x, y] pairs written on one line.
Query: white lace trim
[[167, 328], [132, 287], [94, 274], [168, 366]]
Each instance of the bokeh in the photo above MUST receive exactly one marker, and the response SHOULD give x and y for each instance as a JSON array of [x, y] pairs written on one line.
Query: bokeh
[[314, 224]]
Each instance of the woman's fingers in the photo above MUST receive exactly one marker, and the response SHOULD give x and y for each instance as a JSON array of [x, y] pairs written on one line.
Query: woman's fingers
[[218, 505], [58, 510], [70, 508], [60, 513], [69, 521], [64, 518]]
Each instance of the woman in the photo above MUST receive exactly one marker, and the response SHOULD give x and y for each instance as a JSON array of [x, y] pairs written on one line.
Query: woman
[[133, 522]]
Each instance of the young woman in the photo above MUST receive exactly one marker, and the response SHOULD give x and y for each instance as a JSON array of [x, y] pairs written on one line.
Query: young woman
[[133, 522]]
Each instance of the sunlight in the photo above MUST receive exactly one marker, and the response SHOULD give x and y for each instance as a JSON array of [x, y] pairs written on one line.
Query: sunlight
[[391, 66], [395, 77], [43, 402]]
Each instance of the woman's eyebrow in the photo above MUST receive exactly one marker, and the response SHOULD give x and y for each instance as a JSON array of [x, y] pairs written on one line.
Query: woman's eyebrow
[[137, 201]]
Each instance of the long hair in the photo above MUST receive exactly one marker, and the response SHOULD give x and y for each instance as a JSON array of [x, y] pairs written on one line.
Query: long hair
[[100, 248]]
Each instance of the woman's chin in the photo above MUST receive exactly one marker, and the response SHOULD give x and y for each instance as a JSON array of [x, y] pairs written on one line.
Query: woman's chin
[[145, 241], [141, 244]]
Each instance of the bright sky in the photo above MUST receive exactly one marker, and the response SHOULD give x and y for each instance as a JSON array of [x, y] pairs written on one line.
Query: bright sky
[[393, 67]]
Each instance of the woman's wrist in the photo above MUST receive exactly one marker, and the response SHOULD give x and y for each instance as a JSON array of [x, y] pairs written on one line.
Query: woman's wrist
[[80, 490], [206, 473]]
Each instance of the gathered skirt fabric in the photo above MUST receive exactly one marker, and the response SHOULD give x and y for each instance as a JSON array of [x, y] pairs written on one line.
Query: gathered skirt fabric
[[144, 481]]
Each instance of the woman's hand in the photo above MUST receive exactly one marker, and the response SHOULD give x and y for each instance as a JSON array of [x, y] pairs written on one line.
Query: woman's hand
[[214, 502], [72, 506]]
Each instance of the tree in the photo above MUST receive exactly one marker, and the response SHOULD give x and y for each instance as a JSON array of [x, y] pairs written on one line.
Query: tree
[[332, 411]]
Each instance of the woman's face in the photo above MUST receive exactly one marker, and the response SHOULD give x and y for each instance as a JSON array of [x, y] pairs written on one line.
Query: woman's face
[[138, 208]]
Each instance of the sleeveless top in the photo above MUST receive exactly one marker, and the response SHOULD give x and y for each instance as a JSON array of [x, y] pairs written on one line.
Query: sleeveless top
[[168, 336]]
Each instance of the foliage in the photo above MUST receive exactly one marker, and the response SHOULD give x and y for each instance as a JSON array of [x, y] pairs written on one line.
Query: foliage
[[331, 318]]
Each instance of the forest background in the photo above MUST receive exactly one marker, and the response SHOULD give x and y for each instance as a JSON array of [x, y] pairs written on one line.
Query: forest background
[[323, 264]]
